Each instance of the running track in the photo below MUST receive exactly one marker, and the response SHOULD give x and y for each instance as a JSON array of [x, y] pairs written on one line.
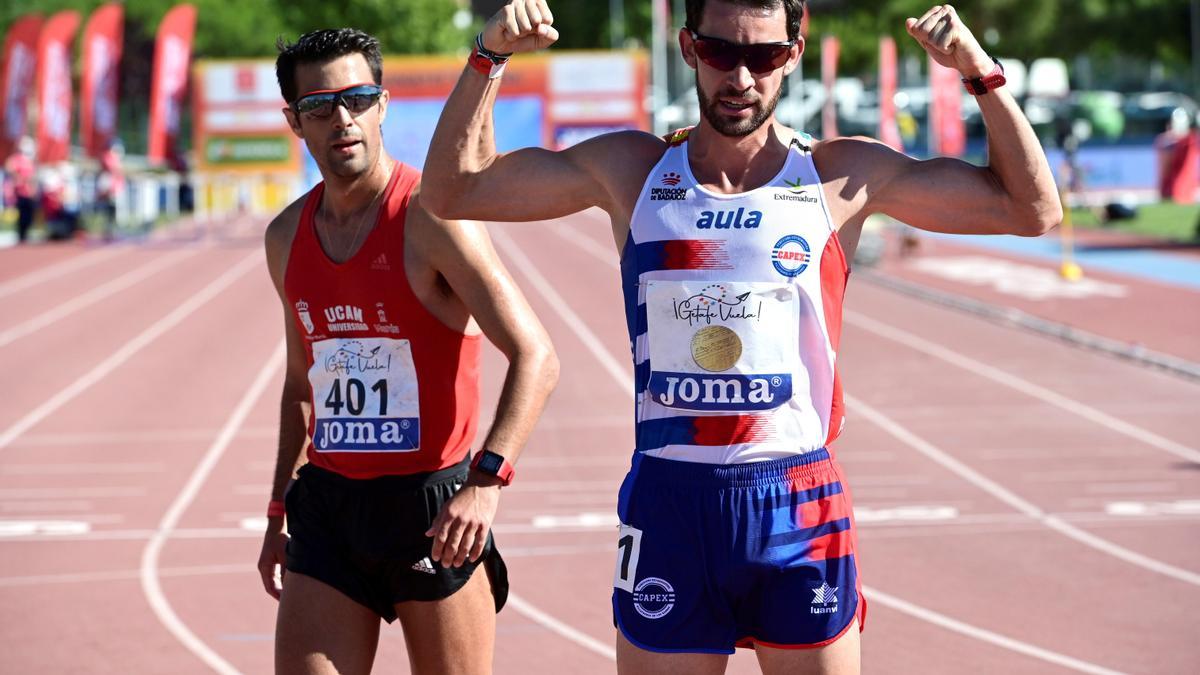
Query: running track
[[1025, 507]]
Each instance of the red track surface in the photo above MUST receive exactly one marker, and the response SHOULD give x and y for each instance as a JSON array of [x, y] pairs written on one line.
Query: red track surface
[[1025, 507]]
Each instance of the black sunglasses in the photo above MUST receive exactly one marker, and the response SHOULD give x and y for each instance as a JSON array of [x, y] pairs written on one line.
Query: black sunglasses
[[356, 98], [760, 58]]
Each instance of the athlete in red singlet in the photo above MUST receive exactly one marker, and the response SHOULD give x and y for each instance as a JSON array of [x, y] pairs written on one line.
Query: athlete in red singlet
[[384, 306]]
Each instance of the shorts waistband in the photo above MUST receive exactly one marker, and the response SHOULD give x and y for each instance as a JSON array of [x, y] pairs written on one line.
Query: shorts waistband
[[410, 481], [731, 475]]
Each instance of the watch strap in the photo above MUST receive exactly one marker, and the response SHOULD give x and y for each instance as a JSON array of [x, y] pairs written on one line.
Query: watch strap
[[979, 86], [494, 464], [486, 62]]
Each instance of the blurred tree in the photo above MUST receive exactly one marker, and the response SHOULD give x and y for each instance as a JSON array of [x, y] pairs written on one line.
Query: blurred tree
[[408, 27], [1149, 29]]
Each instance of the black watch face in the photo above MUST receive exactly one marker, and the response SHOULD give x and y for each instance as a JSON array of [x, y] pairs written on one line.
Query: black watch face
[[490, 462]]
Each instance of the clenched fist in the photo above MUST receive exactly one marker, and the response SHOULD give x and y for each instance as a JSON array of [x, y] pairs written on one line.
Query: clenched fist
[[948, 41], [520, 26]]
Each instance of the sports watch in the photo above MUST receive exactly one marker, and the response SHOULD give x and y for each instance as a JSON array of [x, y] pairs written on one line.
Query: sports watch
[[979, 86], [493, 464]]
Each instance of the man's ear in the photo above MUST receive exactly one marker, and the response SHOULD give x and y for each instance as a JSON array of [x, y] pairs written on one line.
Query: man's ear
[[383, 107], [687, 47], [293, 121], [794, 59]]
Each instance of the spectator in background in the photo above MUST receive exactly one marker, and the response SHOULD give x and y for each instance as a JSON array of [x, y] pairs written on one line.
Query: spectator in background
[[109, 184], [53, 192], [1178, 159], [20, 170]]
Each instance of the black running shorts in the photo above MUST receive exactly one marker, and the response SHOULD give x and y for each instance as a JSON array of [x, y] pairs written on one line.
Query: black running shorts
[[366, 538]]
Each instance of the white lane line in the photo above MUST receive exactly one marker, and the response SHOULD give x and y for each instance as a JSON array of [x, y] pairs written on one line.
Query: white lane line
[[56, 270], [70, 492], [1012, 499], [46, 528], [81, 468], [93, 296], [150, 554], [621, 372], [122, 575], [131, 348], [1185, 507], [892, 602], [173, 436], [625, 383], [550, 623], [242, 568], [997, 375]]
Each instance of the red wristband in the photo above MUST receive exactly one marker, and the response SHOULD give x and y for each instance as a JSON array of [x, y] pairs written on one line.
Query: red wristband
[[276, 509], [485, 66]]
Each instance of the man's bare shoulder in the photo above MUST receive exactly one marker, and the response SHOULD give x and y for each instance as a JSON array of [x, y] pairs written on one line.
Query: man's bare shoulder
[[616, 151], [279, 235], [282, 227], [856, 157]]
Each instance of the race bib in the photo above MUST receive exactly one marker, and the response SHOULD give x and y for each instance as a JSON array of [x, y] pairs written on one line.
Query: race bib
[[722, 346], [364, 396]]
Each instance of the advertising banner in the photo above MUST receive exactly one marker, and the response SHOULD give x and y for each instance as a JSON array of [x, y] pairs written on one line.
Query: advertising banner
[[16, 80], [172, 56], [102, 40], [54, 87]]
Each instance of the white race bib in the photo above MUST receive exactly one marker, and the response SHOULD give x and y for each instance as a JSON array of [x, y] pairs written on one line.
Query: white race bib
[[722, 346], [364, 396]]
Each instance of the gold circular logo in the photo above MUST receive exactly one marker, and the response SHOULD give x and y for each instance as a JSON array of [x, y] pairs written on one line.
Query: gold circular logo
[[716, 348]]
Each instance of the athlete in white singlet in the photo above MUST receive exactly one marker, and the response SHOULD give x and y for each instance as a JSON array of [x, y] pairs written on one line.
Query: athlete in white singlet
[[734, 236]]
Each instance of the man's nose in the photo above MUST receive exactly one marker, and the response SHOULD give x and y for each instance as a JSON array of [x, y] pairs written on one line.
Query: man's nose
[[741, 76], [341, 115]]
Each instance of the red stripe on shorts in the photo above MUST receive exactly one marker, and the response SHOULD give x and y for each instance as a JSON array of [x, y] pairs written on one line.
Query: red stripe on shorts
[[824, 510]]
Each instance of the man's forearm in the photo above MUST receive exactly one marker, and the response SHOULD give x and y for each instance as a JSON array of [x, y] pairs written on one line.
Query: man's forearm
[[1018, 161], [527, 385], [293, 433], [463, 143]]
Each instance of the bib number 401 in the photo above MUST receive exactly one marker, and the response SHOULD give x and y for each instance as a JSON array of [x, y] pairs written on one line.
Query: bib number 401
[[353, 396]]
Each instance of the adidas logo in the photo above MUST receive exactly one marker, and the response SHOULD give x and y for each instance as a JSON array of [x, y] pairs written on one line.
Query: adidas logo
[[381, 263], [424, 565]]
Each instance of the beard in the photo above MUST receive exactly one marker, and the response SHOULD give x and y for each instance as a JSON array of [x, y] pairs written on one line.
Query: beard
[[760, 113]]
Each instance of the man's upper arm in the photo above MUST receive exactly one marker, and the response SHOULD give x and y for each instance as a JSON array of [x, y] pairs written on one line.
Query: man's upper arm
[[539, 184], [462, 252], [939, 194], [278, 242]]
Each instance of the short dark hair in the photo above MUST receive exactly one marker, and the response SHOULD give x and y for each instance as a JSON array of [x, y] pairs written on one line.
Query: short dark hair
[[322, 46], [793, 9]]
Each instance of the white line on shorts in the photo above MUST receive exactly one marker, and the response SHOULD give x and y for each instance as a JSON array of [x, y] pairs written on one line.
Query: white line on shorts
[[93, 296], [58, 270], [554, 625], [876, 595], [1024, 386], [130, 348], [149, 568], [1012, 499]]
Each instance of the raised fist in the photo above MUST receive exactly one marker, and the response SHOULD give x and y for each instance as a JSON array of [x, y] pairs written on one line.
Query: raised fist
[[520, 26], [948, 41]]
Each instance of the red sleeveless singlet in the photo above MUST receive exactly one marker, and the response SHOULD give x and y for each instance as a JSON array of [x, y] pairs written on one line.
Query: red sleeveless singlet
[[393, 389]]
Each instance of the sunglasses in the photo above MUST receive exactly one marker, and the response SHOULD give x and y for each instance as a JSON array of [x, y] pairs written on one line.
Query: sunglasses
[[357, 99], [760, 58]]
